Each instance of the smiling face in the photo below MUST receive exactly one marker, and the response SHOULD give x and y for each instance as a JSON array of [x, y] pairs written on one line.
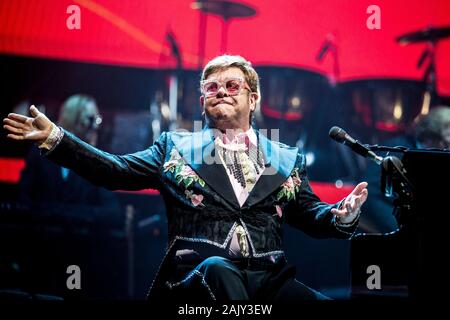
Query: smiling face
[[223, 111]]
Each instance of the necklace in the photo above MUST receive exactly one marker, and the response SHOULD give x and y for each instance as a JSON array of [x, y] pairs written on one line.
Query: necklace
[[243, 162]]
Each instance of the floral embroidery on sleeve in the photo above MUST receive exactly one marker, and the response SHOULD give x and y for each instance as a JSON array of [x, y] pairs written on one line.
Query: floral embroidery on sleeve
[[183, 173], [290, 187]]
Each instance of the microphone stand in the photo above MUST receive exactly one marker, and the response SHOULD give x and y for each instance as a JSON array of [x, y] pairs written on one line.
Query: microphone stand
[[377, 147], [400, 149], [395, 183]]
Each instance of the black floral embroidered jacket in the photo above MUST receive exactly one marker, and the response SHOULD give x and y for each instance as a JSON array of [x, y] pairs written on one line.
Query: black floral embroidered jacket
[[200, 202]]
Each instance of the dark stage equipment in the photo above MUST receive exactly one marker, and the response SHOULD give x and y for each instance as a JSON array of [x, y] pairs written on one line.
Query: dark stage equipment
[[411, 260]]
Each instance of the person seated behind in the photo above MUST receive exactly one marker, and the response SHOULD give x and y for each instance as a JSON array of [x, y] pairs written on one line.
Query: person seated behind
[[50, 187], [426, 132], [433, 129]]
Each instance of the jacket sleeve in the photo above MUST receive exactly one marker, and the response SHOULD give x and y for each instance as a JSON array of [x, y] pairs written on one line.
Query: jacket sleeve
[[309, 214], [134, 171]]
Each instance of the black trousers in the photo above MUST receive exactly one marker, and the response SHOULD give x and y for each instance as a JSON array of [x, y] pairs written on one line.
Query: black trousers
[[221, 279]]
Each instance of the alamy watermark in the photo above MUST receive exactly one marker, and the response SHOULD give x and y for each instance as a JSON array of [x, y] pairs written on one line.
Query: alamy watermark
[[73, 21], [74, 279], [374, 20], [373, 282], [196, 155]]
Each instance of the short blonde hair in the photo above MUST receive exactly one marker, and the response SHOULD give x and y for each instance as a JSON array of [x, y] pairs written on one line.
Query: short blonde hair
[[224, 62]]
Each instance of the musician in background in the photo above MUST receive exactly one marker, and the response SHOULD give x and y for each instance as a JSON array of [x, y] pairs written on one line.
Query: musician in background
[[46, 186], [430, 131], [433, 130]]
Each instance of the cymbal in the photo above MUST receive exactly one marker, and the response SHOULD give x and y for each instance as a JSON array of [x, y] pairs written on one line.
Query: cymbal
[[224, 8], [429, 34]]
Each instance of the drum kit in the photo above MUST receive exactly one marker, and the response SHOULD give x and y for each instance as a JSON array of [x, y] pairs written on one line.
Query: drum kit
[[225, 9], [228, 10], [431, 36], [395, 103]]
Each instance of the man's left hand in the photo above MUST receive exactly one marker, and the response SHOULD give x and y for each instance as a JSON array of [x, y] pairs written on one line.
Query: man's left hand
[[350, 208]]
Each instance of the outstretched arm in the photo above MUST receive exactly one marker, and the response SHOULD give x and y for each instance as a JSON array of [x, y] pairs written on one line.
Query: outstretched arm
[[129, 172], [349, 210], [320, 219]]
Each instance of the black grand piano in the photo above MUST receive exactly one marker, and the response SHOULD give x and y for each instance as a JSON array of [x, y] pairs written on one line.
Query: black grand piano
[[410, 261]]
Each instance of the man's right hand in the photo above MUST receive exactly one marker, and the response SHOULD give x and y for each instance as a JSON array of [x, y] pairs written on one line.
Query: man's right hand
[[36, 128]]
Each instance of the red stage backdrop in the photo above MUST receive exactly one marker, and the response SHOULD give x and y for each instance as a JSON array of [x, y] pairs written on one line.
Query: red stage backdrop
[[281, 33]]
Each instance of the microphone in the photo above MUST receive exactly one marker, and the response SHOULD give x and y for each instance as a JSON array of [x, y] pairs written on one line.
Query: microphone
[[341, 136]]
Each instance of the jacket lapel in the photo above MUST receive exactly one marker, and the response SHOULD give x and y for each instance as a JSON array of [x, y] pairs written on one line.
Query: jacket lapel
[[197, 149], [279, 163]]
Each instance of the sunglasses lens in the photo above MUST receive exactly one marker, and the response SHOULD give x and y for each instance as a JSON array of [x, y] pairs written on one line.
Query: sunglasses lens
[[233, 86], [93, 122], [210, 88]]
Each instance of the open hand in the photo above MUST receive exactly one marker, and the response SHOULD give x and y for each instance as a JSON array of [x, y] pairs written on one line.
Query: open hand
[[351, 206], [36, 128]]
